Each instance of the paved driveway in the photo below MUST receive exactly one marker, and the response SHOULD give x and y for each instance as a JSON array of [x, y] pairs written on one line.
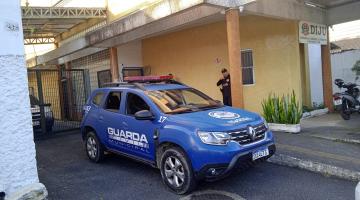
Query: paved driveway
[[67, 174]]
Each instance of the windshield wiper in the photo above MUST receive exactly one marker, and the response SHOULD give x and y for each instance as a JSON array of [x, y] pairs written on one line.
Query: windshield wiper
[[181, 111], [187, 109], [210, 107]]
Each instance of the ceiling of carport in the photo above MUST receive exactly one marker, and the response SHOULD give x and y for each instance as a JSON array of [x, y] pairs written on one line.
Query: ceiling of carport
[[49, 18], [331, 3]]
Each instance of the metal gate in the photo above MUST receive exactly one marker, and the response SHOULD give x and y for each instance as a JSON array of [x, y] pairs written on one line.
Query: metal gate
[[57, 98]]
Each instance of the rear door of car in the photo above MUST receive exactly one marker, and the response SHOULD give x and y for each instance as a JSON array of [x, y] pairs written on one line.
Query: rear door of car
[[110, 121], [91, 111]]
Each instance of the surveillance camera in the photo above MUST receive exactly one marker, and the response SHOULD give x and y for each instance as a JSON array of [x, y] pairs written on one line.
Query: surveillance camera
[[241, 8]]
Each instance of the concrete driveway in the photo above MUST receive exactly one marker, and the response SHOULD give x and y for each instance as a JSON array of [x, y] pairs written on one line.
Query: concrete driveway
[[332, 126], [65, 170]]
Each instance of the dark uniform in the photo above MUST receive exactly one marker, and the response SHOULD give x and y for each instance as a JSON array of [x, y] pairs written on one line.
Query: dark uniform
[[226, 90]]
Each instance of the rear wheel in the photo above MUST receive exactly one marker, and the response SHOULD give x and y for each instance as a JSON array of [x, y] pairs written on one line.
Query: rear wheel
[[345, 110], [94, 149], [176, 171]]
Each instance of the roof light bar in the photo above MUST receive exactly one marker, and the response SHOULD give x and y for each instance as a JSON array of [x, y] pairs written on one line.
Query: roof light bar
[[148, 78]]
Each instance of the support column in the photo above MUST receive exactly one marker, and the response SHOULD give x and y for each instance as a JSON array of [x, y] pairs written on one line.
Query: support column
[[233, 37], [114, 67], [61, 92], [18, 168], [327, 76], [69, 91]]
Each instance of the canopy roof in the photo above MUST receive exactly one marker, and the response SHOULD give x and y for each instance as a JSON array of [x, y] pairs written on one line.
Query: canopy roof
[[43, 20]]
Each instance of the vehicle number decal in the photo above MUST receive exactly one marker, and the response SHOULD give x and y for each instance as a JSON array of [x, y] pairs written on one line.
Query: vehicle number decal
[[162, 119]]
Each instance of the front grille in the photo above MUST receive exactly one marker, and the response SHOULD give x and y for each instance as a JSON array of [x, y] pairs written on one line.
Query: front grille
[[243, 137], [36, 115]]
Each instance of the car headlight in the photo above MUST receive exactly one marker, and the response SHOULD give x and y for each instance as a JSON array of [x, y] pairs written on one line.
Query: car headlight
[[214, 138], [265, 123]]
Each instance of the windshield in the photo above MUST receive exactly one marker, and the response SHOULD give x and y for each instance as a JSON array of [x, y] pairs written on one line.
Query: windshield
[[182, 101]]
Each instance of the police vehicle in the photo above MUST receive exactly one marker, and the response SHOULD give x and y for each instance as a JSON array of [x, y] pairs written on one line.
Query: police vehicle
[[175, 128]]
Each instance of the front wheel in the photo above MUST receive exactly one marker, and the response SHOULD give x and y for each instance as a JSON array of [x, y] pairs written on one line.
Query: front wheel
[[94, 149], [176, 171], [345, 110]]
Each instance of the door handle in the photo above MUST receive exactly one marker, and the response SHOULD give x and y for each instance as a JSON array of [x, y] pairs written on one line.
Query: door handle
[[125, 124], [101, 118]]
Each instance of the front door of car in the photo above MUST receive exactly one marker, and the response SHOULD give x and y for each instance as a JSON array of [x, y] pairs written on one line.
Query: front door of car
[[140, 132]]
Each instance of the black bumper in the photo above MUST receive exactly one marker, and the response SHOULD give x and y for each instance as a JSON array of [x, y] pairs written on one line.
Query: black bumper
[[241, 161]]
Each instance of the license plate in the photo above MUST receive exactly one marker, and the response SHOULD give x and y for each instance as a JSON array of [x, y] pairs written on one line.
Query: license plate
[[36, 123], [338, 102], [260, 153]]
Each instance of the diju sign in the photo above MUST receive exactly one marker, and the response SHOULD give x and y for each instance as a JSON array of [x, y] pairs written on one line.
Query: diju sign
[[312, 33]]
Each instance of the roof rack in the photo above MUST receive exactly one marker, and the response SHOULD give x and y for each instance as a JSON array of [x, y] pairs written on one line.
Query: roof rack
[[118, 84], [138, 81]]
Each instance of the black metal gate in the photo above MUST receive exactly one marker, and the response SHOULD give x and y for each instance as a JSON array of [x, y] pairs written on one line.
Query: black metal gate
[[57, 98]]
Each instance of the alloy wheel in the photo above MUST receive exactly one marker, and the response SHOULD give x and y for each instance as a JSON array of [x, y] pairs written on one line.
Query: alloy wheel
[[174, 171], [91, 147]]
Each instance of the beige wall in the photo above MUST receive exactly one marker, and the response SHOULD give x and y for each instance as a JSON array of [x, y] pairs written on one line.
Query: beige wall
[[190, 55], [193, 56]]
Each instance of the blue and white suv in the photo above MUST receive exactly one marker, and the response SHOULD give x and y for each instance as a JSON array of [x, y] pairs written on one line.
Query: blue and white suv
[[175, 128]]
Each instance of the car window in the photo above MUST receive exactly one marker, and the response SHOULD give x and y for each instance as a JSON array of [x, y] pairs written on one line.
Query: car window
[[113, 102], [134, 103], [97, 98], [181, 100]]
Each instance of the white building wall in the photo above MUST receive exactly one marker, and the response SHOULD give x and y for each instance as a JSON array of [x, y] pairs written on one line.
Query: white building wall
[[315, 68], [130, 55], [341, 64], [17, 149]]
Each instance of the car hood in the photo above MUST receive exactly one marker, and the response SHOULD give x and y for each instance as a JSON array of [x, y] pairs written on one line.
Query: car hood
[[221, 119]]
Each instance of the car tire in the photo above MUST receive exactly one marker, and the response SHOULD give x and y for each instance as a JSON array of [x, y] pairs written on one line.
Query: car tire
[[345, 111], [93, 147], [176, 171]]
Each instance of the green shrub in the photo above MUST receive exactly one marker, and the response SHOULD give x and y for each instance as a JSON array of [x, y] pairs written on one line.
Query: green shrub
[[282, 110]]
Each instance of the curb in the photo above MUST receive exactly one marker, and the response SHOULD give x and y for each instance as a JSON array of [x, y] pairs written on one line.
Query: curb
[[349, 141], [315, 113], [325, 169], [35, 191]]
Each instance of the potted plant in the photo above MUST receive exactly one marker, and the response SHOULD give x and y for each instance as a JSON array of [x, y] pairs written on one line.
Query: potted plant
[[282, 113]]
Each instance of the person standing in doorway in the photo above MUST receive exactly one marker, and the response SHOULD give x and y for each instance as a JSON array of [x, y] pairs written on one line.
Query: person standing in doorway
[[225, 87]]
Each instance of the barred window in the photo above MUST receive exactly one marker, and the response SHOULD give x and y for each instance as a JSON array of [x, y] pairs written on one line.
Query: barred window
[[247, 67], [103, 76]]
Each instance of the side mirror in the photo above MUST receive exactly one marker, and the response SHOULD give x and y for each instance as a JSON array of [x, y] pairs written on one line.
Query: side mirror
[[144, 115], [219, 102]]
